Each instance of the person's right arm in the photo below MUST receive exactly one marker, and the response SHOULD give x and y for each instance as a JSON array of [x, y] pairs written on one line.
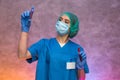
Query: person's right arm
[[26, 17]]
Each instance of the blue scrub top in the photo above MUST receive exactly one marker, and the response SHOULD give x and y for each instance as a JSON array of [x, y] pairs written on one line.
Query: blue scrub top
[[52, 59]]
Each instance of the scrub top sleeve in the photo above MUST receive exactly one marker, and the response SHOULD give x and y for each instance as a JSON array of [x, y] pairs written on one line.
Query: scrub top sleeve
[[35, 50], [86, 68]]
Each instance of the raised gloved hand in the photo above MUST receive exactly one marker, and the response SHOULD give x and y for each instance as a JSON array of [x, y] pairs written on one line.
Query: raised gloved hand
[[26, 17]]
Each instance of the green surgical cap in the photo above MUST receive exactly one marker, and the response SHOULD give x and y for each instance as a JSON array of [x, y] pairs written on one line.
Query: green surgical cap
[[74, 24]]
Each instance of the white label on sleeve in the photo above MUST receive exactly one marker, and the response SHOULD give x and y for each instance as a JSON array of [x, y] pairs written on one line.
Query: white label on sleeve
[[70, 65]]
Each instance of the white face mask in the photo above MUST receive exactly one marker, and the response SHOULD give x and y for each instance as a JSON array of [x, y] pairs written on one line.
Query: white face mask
[[62, 28]]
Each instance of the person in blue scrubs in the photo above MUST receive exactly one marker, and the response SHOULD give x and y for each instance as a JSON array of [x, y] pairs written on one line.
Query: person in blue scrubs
[[58, 58]]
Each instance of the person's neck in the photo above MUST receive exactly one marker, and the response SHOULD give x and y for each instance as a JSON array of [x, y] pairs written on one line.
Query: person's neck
[[62, 39]]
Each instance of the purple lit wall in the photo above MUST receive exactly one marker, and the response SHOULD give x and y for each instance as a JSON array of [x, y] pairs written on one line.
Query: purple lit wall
[[99, 34]]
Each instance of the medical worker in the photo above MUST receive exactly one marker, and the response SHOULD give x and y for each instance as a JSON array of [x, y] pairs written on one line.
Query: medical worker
[[58, 58]]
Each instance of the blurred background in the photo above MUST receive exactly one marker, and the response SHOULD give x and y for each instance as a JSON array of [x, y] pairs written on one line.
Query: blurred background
[[99, 34]]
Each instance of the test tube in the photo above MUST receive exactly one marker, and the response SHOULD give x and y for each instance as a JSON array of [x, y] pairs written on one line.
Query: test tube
[[31, 12], [80, 57]]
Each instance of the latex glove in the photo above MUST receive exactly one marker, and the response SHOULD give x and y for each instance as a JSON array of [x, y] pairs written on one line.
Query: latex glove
[[82, 56], [81, 59], [26, 17]]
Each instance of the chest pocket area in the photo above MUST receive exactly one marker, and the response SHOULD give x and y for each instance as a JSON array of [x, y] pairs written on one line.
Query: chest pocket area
[[72, 58]]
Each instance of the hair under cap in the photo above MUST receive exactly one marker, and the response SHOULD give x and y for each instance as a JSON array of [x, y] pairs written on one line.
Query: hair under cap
[[74, 24]]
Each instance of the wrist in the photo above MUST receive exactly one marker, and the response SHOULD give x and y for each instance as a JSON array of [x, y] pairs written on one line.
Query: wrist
[[25, 29], [24, 34]]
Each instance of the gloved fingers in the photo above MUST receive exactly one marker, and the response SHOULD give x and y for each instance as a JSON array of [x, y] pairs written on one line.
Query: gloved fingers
[[83, 56], [22, 15], [25, 14]]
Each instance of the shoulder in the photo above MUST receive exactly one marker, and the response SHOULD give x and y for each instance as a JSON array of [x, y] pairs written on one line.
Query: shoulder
[[75, 44], [45, 40]]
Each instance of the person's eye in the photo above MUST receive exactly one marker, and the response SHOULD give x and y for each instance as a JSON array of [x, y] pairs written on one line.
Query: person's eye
[[67, 22]]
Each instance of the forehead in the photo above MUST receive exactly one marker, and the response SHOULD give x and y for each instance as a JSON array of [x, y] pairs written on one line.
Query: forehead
[[65, 17]]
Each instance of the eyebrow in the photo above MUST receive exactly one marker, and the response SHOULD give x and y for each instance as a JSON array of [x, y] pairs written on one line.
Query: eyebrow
[[67, 20]]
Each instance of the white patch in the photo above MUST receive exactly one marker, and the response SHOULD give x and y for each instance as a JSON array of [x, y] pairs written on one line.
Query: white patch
[[62, 44], [70, 65]]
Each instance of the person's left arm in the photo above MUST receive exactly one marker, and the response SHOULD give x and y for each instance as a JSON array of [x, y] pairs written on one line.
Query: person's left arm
[[81, 64]]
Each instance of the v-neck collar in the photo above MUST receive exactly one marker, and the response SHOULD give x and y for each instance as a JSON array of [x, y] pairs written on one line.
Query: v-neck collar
[[59, 43]]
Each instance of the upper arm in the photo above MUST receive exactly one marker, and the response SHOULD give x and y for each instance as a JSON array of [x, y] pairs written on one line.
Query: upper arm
[[34, 51]]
